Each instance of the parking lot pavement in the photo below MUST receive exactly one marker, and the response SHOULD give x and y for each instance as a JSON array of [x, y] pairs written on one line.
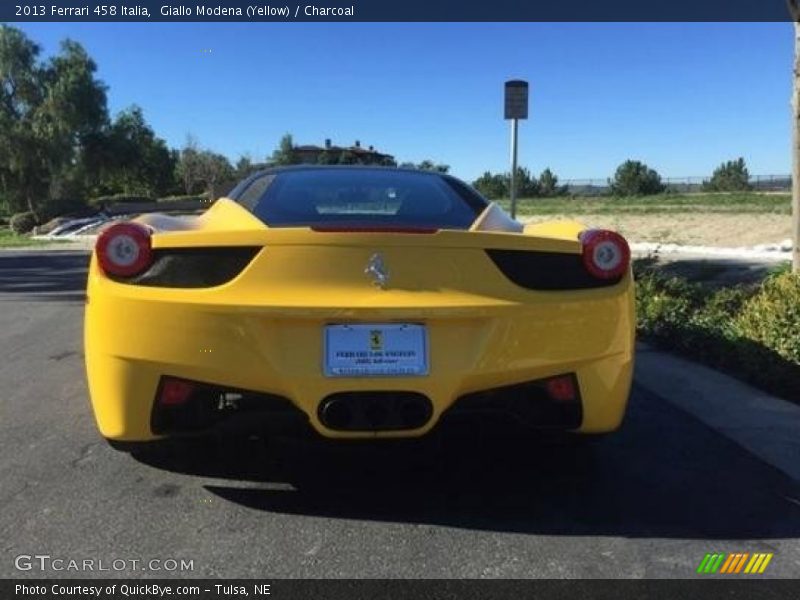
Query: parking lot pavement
[[650, 501]]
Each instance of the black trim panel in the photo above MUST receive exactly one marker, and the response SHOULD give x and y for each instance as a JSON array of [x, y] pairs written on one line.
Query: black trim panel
[[193, 267], [527, 403], [536, 270]]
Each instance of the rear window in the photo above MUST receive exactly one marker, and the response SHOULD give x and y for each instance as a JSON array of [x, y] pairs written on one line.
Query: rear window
[[360, 197]]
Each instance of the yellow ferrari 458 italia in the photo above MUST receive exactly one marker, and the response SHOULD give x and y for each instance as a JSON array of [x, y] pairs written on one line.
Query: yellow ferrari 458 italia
[[360, 302]]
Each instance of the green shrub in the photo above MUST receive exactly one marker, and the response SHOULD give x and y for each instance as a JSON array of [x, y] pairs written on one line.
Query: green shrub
[[103, 201], [634, 178], [731, 176], [749, 331], [772, 316], [23, 222]]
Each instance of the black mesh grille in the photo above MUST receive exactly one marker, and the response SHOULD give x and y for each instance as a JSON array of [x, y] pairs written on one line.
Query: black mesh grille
[[546, 270], [194, 267]]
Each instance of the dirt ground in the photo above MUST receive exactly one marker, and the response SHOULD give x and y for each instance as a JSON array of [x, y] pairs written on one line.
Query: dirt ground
[[696, 229]]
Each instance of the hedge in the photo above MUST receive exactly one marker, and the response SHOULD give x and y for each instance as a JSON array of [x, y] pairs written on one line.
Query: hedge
[[749, 331], [23, 222]]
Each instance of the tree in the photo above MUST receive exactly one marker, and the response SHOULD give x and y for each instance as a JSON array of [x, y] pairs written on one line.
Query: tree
[[794, 10], [731, 176], [215, 169], [284, 154], [51, 115], [136, 162], [429, 165], [21, 91], [244, 167], [189, 167], [527, 185], [634, 178], [548, 185], [493, 186], [201, 170]]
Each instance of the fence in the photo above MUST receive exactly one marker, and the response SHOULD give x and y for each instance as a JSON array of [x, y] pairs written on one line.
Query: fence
[[683, 185]]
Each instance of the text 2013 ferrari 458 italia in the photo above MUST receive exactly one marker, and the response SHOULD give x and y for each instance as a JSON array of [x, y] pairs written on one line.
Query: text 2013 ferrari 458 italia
[[364, 302]]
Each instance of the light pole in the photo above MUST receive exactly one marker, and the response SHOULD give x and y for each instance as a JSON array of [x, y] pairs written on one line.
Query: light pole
[[516, 108]]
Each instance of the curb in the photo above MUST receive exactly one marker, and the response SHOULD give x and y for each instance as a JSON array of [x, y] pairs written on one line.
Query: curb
[[764, 425]]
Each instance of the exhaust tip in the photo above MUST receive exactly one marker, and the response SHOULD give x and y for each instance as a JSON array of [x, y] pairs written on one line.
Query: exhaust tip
[[335, 414], [375, 411]]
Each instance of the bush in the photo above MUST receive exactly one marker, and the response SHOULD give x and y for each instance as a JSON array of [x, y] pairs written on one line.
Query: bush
[[23, 222], [772, 316], [103, 201], [548, 185], [634, 178], [751, 332], [493, 186], [731, 176]]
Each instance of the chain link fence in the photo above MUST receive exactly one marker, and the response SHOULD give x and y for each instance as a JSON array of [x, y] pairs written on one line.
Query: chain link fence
[[681, 185]]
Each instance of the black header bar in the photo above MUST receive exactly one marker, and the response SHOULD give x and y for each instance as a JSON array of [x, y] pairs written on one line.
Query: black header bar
[[397, 10]]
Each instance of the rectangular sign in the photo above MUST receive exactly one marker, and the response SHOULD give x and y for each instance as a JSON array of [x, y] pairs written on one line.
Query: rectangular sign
[[516, 105], [375, 350]]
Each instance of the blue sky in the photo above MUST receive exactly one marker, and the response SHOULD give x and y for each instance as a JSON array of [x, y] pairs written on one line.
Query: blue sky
[[681, 97]]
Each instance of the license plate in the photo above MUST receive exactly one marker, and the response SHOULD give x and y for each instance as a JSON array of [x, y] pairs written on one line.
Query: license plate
[[375, 350]]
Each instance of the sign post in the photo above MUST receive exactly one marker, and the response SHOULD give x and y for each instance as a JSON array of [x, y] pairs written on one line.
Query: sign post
[[516, 108]]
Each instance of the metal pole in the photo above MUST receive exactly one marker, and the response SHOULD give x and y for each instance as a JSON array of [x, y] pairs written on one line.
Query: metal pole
[[513, 190]]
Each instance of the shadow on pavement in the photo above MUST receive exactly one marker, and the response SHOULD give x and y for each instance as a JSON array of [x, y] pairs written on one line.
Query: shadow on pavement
[[663, 475], [55, 276]]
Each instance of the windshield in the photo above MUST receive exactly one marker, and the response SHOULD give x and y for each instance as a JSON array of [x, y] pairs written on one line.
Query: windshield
[[360, 197]]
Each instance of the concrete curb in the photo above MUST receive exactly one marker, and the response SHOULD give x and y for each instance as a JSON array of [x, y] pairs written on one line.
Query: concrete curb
[[765, 426]]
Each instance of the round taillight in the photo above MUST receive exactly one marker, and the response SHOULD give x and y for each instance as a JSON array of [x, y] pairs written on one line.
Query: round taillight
[[124, 250], [606, 254]]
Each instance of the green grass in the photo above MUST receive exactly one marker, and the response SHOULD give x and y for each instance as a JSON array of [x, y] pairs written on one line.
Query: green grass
[[9, 239], [745, 202]]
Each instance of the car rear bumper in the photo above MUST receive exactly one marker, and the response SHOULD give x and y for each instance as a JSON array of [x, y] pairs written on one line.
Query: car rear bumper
[[133, 340]]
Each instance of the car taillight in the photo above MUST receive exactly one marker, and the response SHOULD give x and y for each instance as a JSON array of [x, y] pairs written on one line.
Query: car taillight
[[606, 254], [174, 392], [561, 388], [124, 249]]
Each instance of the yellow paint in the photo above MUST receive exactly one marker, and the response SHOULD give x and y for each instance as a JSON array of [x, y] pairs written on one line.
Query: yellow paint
[[266, 325]]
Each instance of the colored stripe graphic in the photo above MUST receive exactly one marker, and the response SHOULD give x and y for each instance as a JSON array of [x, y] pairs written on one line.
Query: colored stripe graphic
[[734, 563]]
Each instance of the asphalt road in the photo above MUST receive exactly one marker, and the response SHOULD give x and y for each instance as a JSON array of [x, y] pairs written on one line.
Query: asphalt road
[[649, 501]]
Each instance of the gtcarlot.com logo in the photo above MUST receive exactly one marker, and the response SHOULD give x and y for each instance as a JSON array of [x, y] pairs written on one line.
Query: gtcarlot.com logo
[[46, 562], [736, 563]]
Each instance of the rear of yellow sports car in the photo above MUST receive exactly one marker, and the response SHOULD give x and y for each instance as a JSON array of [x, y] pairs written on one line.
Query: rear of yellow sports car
[[359, 331]]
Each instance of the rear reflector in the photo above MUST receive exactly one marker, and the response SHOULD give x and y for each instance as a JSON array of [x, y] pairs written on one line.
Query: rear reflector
[[561, 388], [175, 392]]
